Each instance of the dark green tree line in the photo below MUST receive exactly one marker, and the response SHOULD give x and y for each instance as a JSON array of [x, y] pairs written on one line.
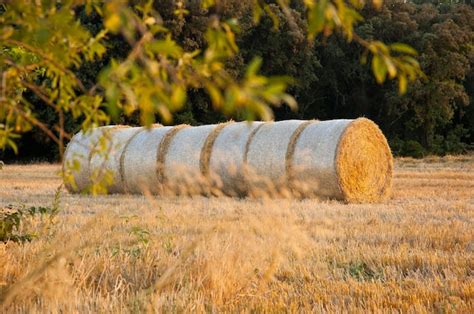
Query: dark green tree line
[[435, 115]]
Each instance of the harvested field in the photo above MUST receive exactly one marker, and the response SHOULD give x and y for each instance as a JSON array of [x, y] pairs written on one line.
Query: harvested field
[[123, 253]]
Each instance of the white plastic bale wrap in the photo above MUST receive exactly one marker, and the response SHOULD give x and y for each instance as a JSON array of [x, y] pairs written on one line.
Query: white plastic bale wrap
[[342, 159], [266, 156], [348, 160], [182, 162], [227, 158], [140, 161], [314, 158], [108, 162], [79, 151]]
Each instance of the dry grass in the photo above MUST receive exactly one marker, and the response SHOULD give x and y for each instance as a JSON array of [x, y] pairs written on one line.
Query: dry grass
[[134, 253]]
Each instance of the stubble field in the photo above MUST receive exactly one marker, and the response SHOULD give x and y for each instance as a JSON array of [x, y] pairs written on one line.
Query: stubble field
[[124, 253]]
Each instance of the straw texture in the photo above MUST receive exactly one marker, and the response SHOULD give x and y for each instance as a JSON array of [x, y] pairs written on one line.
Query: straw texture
[[207, 148], [364, 163]]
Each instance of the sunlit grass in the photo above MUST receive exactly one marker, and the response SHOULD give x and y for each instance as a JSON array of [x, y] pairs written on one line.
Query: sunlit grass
[[135, 253]]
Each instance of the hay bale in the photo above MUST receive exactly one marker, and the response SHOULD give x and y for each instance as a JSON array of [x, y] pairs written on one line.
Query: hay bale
[[108, 161], [344, 159], [163, 151], [140, 160], [207, 149], [227, 157], [182, 160], [79, 150], [266, 156]]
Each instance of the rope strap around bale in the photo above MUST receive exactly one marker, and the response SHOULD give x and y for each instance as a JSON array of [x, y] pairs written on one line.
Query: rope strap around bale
[[206, 151], [245, 170], [163, 151], [122, 159], [290, 151], [249, 141]]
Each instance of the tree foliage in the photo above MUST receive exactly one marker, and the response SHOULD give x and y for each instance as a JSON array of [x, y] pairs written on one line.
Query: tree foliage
[[435, 115], [77, 64]]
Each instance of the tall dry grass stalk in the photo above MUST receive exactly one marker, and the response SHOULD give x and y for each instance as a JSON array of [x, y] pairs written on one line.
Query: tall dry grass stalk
[[125, 253]]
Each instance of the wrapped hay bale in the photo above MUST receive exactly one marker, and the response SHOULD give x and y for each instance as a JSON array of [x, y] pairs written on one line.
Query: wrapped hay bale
[[140, 160], [79, 151], [266, 154], [181, 163], [227, 157], [107, 162], [343, 159]]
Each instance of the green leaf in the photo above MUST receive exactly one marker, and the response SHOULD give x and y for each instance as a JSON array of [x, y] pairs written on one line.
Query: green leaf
[[316, 17], [207, 3], [167, 47], [273, 17], [290, 101], [253, 67], [41, 36], [257, 12], [12, 145], [403, 48], [178, 97], [379, 69], [402, 84], [392, 70], [112, 23], [216, 97]]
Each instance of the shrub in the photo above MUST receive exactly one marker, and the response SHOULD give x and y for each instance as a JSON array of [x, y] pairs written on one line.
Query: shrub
[[413, 149], [13, 217]]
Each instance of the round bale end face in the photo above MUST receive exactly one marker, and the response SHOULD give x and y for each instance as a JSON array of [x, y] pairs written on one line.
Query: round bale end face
[[75, 152], [364, 163], [109, 161], [78, 151]]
